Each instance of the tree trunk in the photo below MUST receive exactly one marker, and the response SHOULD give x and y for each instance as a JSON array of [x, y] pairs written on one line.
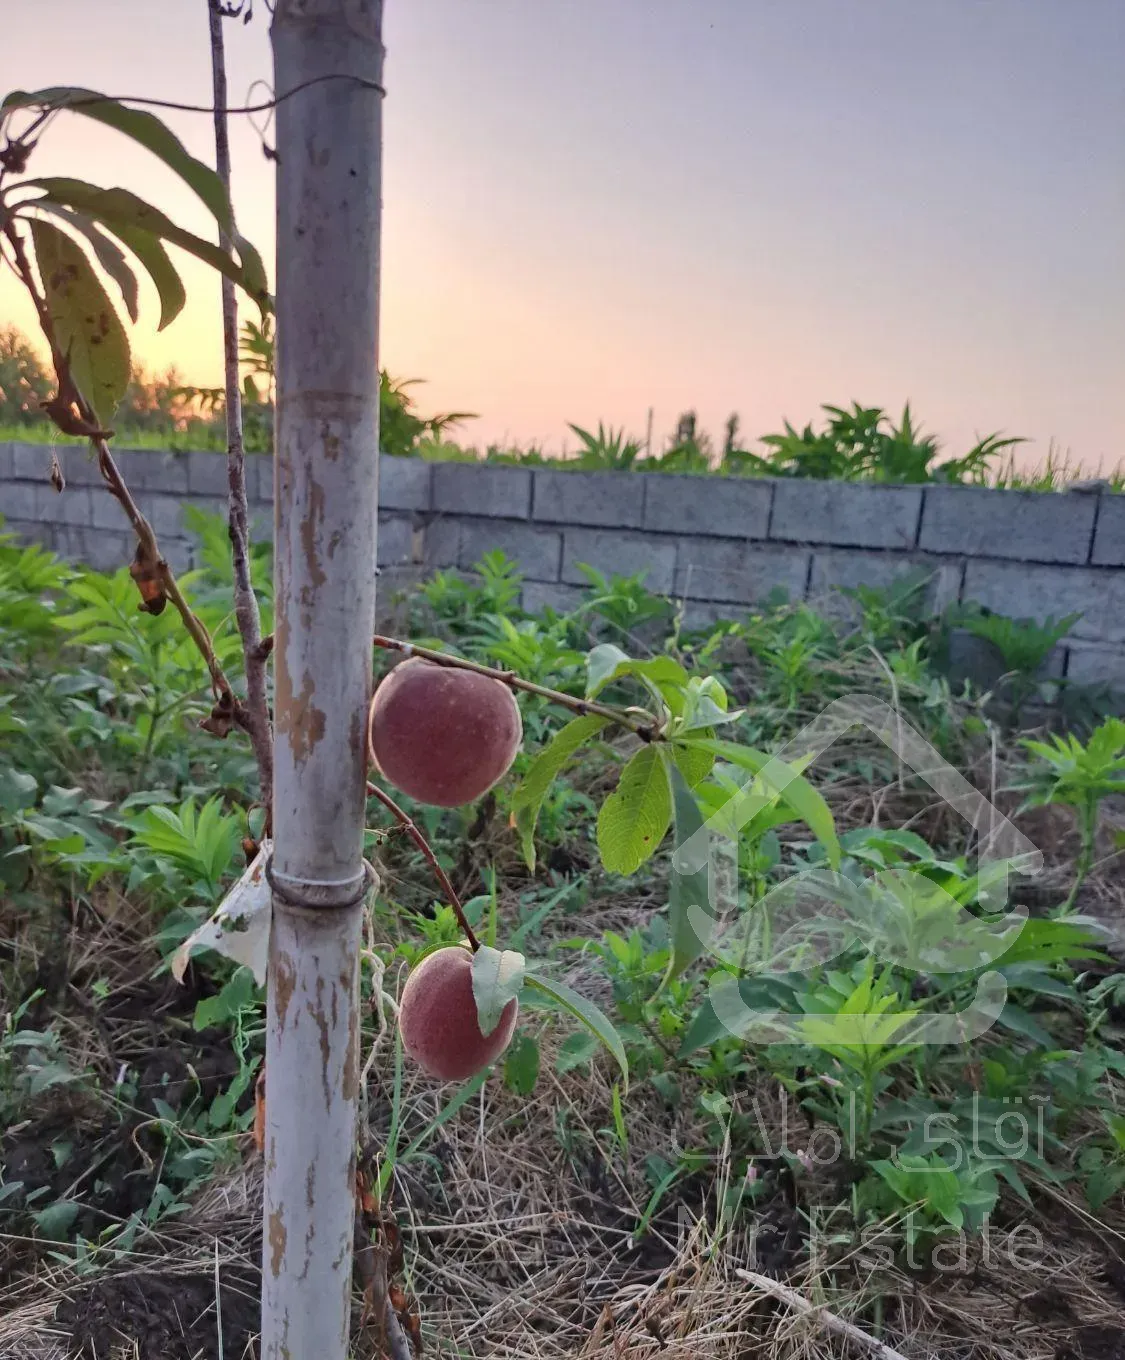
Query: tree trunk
[[328, 59]]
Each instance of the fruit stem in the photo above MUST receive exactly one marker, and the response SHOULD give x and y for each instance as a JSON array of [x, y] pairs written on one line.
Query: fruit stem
[[404, 820], [648, 729]]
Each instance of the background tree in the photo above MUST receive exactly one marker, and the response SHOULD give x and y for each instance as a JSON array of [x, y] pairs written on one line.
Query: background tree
[[24, 382]]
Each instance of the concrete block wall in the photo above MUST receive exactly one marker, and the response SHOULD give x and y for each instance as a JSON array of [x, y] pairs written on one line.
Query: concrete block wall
[[720, 544]]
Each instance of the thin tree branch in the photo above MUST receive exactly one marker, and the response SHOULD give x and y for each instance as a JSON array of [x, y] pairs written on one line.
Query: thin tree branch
[[247, 614], [831, 1322], [148, 553], [646, 727], [150, 549], [405, 821]]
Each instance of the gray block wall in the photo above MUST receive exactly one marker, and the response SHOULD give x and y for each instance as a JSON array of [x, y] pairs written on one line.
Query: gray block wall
[[719, 544]]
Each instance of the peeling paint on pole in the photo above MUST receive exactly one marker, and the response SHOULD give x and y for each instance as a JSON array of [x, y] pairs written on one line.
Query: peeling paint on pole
[[328, 207]]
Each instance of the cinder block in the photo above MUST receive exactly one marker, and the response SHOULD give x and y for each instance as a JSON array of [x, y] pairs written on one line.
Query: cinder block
[[214, 506], [153, 470], [77, 461], [615, 499], [207, 473], [68, 540], [1093, 665], [97, 548], [540, 595], [702, 615], [71, 506], [709, 569], [261, 521], [179, 553], [79, 465], [974, 658], [164, 513], [31, 462], [442, 542], [404, 483], [106, 511], [845, 513], [7, 461], [399, 577], [210, 505], [481, 489], [617, 554], [1034, 592], [394, 584], [1028, 526], [730, 507], [1109, 536], [848, 570], [395, 541], [259, 477], [32, 531], [537, 551], [17, 500]]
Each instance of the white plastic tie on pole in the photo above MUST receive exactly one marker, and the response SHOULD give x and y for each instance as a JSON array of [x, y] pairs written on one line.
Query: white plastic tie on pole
[[240, 927]]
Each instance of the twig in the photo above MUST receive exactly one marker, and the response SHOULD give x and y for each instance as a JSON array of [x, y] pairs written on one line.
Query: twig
[[371, 1267], [249, 619], [404, 820], [398, 1343], [647, 728], [830, 1321]]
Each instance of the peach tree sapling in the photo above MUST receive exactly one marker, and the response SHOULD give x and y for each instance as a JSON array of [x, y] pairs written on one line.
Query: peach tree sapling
[[442, 728]]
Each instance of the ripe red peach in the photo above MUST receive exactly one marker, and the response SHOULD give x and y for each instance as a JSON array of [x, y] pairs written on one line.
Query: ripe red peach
[[438, 1018], [443, 735]]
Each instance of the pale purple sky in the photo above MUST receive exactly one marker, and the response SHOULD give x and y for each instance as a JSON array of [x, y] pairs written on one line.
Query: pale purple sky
[[600, 206]]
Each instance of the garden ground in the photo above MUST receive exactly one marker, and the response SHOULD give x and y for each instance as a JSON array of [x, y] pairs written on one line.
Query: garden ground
[[545, 1211]]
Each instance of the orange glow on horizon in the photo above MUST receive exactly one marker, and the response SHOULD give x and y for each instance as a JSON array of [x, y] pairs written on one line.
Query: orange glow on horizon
[[549, 259]]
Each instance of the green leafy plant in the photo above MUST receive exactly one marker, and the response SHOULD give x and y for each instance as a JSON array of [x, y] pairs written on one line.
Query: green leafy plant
[[156, 662], [457, 604], [607, 450], [863, 444], [401, 429], [937, 1196], [1022, 645], [32, 1061], [1078, 775], [623, 601]]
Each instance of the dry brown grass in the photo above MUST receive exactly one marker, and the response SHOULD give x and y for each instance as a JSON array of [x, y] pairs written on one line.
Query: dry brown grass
[[519, 1240], [517, 1248]]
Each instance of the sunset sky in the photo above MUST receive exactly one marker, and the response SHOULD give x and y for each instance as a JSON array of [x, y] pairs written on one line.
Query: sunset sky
[[597, 206]]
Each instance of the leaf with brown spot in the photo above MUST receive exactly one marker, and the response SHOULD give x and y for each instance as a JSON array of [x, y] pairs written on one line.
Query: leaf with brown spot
[[119, 207], [106, 252], [87, 332]]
